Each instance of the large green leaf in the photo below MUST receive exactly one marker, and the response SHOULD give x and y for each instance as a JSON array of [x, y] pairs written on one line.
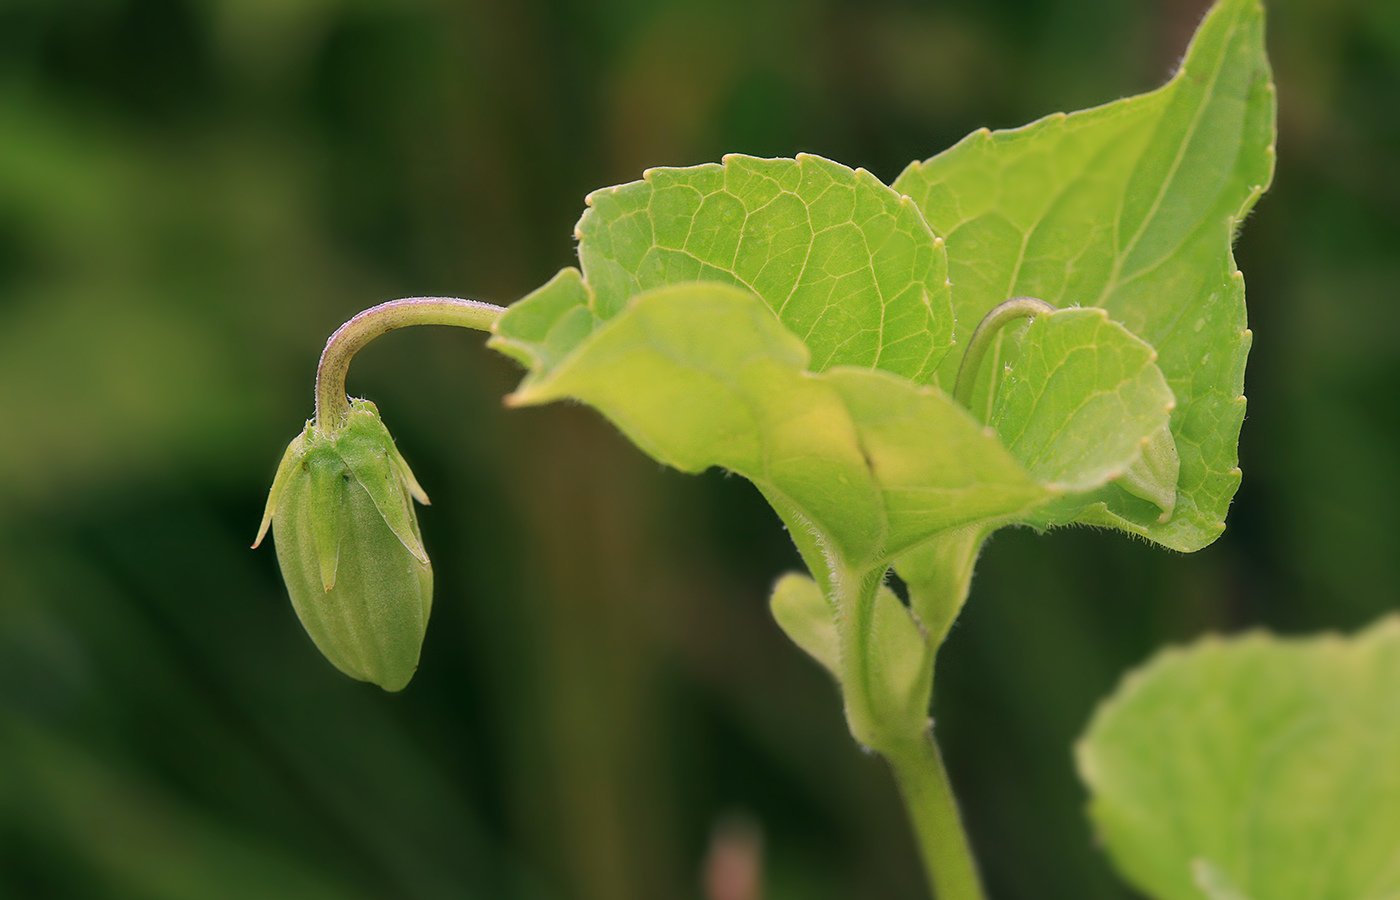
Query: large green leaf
[[703, 374], [1255, 768], [865, 463], [1130, 207], [848, 264]]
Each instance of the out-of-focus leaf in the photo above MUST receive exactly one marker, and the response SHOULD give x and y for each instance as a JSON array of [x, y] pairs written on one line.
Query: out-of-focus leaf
[[1256, 767]]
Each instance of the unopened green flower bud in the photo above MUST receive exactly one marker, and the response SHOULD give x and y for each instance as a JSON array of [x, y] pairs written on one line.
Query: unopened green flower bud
[[341, 511]]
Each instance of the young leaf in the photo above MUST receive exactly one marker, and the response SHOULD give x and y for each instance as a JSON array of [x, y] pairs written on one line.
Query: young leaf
[[547, 324], [703, 374], [1255, 767], [1130, 207], [807, 618], [1081, 400], [846, 263]]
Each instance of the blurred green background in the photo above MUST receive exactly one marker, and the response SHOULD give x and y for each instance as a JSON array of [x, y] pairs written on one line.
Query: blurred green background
[[195, 193]]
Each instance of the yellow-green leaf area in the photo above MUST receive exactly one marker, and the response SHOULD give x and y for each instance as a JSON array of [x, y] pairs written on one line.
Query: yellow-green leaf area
[[847, 264], [544, 326], [1080, 400], [1131, 207], [859, 461], [1255, 767]]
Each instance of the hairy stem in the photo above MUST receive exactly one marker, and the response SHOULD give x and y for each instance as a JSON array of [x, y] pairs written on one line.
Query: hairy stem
[[981, 341], [887, 723], [933, 811], [332, 406], [938, 575]]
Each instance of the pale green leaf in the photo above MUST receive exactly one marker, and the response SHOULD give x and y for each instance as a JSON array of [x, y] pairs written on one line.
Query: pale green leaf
[[1130, 207], [848, 264], [1154, 476], [1080, 400], [866, 463], [897, 656], [808, 392], [900, 665], [807, 618], [1255, 767], [544, 326]]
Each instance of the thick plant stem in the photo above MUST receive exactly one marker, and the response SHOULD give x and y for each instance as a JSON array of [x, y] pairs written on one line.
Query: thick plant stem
[[933, 811], [332, 406], [938, 575]]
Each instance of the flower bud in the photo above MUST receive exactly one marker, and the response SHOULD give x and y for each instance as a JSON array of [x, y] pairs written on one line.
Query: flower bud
[[341, 511]]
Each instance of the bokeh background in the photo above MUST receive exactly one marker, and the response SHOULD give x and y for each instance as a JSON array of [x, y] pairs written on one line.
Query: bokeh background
[[195, 193]]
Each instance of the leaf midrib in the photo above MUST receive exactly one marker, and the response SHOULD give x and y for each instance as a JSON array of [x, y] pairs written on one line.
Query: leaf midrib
[[1121, 255]]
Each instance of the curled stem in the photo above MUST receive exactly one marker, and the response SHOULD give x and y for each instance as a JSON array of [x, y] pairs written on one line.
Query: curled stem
[[332, 406], [981, 340]]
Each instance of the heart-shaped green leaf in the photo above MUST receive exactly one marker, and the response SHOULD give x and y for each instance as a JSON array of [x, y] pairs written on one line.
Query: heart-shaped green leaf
[[1130, 207], [1255, 768]]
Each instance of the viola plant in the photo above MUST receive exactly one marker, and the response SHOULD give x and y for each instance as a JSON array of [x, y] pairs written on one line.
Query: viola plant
[[1042, 327]]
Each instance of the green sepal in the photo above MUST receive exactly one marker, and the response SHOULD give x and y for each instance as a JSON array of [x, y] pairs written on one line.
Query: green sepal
[[371, 457], [291, 458], [327, 474]]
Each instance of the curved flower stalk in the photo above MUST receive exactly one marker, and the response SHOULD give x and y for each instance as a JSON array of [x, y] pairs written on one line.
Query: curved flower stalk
[[342, 516]]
